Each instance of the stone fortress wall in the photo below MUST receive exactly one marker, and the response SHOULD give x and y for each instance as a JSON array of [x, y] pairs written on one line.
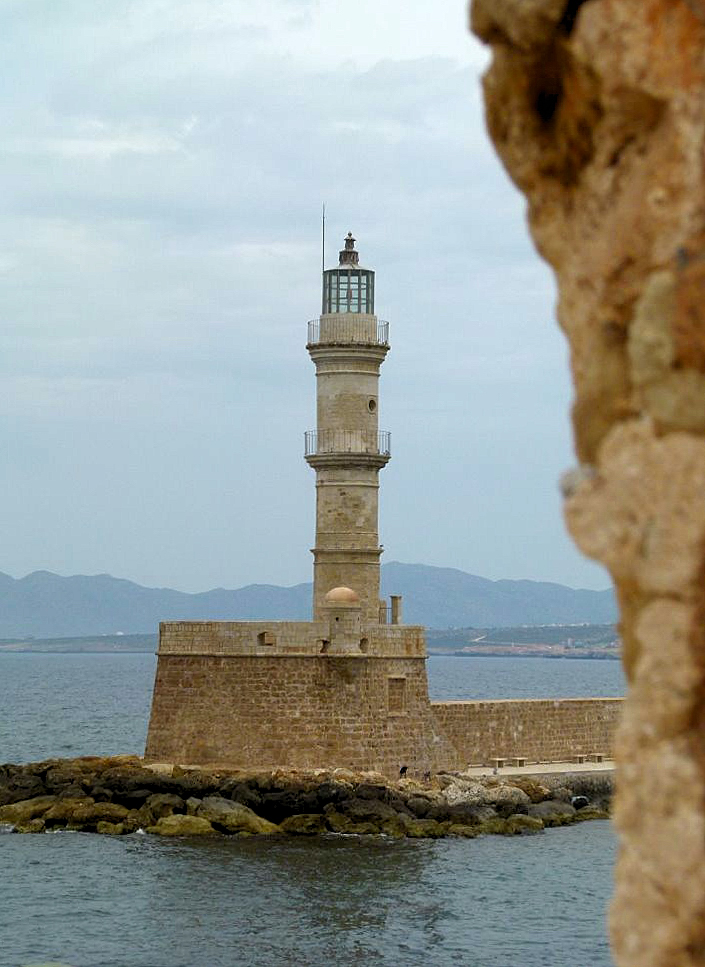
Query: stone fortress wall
[[274, 694], [279, 695], [538, 730]]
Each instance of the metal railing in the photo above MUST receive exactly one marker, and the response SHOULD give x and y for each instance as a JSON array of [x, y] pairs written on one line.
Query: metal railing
[[344, 331], [377, 442]]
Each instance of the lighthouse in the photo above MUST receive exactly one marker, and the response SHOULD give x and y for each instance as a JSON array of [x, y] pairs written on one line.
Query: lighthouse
[[348, 345], [349, 688]]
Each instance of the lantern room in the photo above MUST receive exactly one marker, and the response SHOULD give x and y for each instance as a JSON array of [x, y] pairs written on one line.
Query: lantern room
[[349, 287]]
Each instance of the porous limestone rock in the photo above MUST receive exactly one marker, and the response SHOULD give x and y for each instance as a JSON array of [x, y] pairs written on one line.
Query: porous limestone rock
[[23, 812], [181, 825], [597, 109], [233, 817]]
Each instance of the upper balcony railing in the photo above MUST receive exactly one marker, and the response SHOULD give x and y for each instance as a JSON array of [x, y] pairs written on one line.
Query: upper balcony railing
[[343, 330], [376, 442]]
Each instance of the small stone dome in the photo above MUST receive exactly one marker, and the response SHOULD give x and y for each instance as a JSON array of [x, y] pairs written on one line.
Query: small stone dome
[[342, 596]]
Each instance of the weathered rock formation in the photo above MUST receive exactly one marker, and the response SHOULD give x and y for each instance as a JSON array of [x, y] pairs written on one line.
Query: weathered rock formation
[[119, 795], [597, 109]]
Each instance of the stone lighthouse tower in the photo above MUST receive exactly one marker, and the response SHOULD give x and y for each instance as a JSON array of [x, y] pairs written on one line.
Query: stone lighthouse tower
[[347, 344], [349, 688]]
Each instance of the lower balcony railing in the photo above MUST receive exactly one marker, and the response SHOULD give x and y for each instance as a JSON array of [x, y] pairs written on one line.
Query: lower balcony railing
[[347, 441], [341, 330]]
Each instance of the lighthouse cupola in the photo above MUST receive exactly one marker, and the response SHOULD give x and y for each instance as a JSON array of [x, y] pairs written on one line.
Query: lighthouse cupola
[[348, 287]]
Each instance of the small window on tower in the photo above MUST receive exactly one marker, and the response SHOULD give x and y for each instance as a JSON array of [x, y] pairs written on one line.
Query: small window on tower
[[266, 638], [372, 405], [396, 696]]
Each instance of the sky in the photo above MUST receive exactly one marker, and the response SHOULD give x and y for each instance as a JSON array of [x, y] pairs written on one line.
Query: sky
[[163, 167]]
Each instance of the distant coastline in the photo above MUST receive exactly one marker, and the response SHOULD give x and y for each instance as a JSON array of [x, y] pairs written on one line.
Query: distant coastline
[[439, 643]]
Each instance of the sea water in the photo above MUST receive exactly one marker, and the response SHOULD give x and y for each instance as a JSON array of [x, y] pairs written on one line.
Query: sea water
[[139, 901]]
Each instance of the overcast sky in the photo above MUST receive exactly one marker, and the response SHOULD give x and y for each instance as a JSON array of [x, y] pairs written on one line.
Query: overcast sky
[[164, 163]]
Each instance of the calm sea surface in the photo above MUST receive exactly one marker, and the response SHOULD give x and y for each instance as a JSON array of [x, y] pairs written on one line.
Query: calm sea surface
[[90, 901]]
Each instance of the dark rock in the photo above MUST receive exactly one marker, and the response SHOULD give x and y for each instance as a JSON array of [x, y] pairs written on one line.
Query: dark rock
[[306, 824], [23, 812], [33, 826], [276, 806], [418, 806], [522, 825], [553, 812], [426, 829], [469, 814], [163, 804], [178, 825], [73, 791], [370, 790], [335, 821], [366, 810], [242, 792], [467, 832], [21, 786], [111, 829], [578, 802], [332, 792], [396, 826], [137, 797], [233, 817], [591, 812]]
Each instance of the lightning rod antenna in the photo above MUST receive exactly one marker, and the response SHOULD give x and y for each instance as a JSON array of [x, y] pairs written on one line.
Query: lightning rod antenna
[[323, 251]]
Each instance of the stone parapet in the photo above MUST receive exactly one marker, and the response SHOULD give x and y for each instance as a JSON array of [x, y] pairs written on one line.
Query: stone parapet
[[281, 638], [540, 730]]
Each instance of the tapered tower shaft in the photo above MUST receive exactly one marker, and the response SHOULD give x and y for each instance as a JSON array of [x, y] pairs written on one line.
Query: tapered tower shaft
[[347, 344]]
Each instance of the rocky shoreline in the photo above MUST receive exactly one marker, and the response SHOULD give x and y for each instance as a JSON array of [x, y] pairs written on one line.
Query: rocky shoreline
[[122, 795]]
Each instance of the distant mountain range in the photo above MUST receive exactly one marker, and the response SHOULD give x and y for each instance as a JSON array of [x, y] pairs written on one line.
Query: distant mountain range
[[47, 605]]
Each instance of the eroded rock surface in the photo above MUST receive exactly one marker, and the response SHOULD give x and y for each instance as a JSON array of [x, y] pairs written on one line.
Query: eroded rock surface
[[597, 109], [170, 800]]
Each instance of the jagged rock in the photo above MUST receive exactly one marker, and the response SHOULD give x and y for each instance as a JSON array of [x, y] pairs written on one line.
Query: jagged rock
[[75, 790], [163, 804], [466, 832], [90, 814], [62, 811], [279, 804], [519, 824], [418, 806], [242, 792], [536, 791], [20, 786], [366, 810], [81, 812], [21, 813], [553, 812], [192, 805], [493, 827], [110, 829], [233, 817], [305, 824], [335, 821], [33, 826], [465, 791], [464, 813], [426, 829], [396, 826], [180, 825], [590, 812], [506, 796]]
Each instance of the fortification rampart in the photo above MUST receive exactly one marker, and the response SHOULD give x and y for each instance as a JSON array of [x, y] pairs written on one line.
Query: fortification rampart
[[539, 730], [270, 694], [276, 638]]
